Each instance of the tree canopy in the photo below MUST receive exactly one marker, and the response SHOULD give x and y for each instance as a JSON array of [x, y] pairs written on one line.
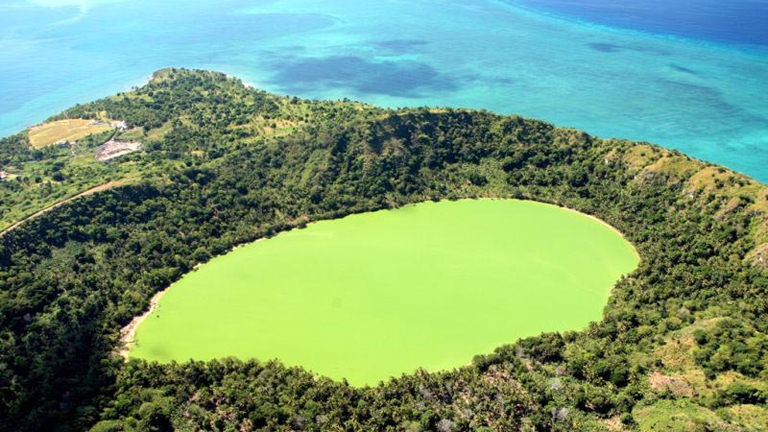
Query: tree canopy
[[224, 164]]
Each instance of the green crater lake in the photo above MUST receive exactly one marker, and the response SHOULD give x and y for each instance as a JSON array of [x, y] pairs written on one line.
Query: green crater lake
[[380, 294]]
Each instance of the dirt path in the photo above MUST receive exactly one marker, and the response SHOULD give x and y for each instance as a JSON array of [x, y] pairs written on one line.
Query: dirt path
[[93, 190]]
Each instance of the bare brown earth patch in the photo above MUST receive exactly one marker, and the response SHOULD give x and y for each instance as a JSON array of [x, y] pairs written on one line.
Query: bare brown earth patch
[[675, 384], [113, 149]]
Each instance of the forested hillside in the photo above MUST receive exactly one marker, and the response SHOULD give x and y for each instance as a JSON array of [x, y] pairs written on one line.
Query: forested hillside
[[682, 346]]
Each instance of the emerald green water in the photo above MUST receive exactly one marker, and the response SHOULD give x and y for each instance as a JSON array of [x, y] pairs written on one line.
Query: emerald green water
[[380, 294]]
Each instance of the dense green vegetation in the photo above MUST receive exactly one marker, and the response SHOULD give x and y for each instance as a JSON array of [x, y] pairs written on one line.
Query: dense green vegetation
[[682, 345], [376, 295]]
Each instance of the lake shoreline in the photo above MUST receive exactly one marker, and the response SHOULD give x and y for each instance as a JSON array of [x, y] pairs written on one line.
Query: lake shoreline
[[255, 305], [128, 333]]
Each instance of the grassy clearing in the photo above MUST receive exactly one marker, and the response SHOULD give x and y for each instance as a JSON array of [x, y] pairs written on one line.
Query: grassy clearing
[[748, 417], [677, 416], [63, 130], [380, 294]]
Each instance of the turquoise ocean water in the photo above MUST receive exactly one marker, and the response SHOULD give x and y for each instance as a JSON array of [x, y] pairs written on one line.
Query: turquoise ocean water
[[693, 77]]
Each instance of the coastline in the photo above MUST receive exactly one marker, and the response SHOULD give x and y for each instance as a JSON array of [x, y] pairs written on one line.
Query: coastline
[[40, 111], [594, 218], [607, 225], [128, 333]]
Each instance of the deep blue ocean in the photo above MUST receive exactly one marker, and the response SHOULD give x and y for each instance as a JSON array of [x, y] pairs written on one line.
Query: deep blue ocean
[[688, 74], [728, 21]]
